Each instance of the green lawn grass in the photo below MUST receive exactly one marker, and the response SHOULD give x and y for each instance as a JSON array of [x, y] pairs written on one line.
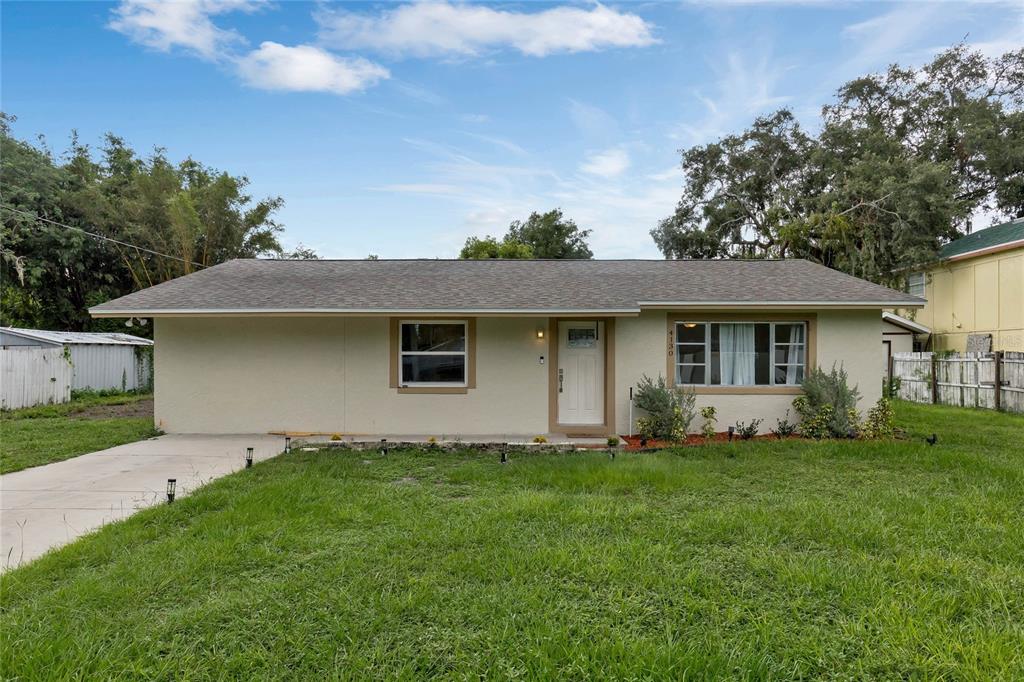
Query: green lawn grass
[[51, 433], [756, 560]]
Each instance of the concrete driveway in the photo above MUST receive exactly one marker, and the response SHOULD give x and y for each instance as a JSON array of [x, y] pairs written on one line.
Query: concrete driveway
[[48, 506]]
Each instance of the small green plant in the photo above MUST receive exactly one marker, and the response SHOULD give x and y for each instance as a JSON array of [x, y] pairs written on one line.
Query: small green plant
[[670, 410], [613, 441], [335, 436], [783, 427], [828, 408], [747, 430], [540, 439], [891, 387], [710, 416], [880, 422]]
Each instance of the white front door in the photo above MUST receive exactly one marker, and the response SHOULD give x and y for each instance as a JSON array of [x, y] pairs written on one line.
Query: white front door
[[580, 373]]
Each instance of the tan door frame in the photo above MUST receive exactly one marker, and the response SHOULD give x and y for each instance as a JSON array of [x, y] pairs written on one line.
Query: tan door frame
[[554, 334]]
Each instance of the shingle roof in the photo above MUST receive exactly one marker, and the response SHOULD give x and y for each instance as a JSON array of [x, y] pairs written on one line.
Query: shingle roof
[[73, 338], [498, 285], [990, 237]]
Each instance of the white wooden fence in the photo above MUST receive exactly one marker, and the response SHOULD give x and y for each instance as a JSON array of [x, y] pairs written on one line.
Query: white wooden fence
[[962, 379], [32, 375]]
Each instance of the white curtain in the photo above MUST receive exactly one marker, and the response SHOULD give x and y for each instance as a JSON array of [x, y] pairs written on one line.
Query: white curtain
[[793, 354], [738, 356]]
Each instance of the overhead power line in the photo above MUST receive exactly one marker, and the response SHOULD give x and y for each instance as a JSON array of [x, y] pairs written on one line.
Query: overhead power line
[[41, 219]]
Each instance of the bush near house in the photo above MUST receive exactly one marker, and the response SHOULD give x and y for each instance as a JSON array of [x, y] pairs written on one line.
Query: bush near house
[[670, 410]]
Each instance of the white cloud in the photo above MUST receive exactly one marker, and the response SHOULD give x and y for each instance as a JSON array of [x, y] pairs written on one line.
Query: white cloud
[[441, 28], [745, 87], [306, 68], [607, 164], [185, 24], [476, 118]]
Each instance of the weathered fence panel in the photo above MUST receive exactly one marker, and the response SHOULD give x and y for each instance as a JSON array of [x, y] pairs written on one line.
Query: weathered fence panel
[[1012, 375], [31, 375], [962, 379]]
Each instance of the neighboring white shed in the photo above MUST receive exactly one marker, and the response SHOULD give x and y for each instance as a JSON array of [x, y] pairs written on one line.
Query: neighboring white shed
[[899, 335], [99, 360]]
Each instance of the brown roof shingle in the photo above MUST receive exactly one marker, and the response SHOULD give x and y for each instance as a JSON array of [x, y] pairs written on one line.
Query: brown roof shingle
[[499, 285]]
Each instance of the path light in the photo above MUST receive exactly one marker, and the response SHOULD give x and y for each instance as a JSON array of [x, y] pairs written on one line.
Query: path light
[[171, 484], [383, 446], [287, 444], [504, 453], [248, 458], [611, 452], [732, 430]]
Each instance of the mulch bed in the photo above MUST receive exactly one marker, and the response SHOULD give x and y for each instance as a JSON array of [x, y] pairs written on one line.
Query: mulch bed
[[634, 442]]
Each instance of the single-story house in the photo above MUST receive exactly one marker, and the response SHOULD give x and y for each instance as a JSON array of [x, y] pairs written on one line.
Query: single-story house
[[465, 347], [99, 360]]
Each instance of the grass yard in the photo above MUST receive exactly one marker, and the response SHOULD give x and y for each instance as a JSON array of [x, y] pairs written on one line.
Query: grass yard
[[753, 560], [51, 433]]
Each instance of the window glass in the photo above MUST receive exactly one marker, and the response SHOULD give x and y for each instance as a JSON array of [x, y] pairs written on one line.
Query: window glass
[[434, 369], [433, 337], [433, 353], [740, 353], [915, 284]]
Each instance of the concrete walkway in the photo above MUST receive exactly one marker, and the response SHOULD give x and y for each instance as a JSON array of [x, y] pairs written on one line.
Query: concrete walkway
[[48, 506]]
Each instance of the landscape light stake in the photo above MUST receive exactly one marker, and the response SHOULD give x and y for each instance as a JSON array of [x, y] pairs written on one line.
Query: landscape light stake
[[732, 430], [383, 446], [171, 484], [248, 458], [287, 444], [504, 453], [611, 452]]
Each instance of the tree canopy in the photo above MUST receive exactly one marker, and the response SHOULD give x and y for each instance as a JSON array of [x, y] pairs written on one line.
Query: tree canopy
[[542, 235], [901, 163], [50, 274]]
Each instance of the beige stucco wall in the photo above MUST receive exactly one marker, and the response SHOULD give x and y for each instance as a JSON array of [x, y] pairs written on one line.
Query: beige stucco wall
[[850, 339], [330, 374], [982, 295]]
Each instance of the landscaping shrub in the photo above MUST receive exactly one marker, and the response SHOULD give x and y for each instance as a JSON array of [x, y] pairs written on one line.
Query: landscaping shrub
[[784, 428], [670, 411], [880, 422], [710, 416], [746, 431], [828, 408]]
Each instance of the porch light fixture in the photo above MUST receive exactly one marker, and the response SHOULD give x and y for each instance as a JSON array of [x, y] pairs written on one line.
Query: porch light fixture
[[540, 333], [689, 325], [287, 444], [383, 446], [248, 458], [171, 484]]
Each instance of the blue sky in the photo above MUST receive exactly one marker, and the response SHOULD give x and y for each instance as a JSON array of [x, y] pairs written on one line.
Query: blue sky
[[400, 129]]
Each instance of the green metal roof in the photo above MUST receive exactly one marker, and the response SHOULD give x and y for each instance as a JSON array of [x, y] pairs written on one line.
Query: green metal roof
[[984, 239]]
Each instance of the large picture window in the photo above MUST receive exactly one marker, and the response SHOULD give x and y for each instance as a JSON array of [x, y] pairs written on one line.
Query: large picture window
[[433, 353], [740, 353]]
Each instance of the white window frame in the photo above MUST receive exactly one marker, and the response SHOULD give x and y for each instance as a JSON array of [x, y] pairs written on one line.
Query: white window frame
[[772, 345], [439, 384], [915, 280]]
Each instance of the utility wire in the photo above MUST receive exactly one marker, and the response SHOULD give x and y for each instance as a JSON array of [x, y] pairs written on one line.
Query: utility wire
[[27, 214]]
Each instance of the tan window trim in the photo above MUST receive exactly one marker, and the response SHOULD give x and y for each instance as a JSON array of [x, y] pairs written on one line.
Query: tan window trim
[[394, 346], [810, 319]]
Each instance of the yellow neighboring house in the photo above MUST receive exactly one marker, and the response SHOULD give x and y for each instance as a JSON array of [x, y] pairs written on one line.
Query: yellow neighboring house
[[976, 287]]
